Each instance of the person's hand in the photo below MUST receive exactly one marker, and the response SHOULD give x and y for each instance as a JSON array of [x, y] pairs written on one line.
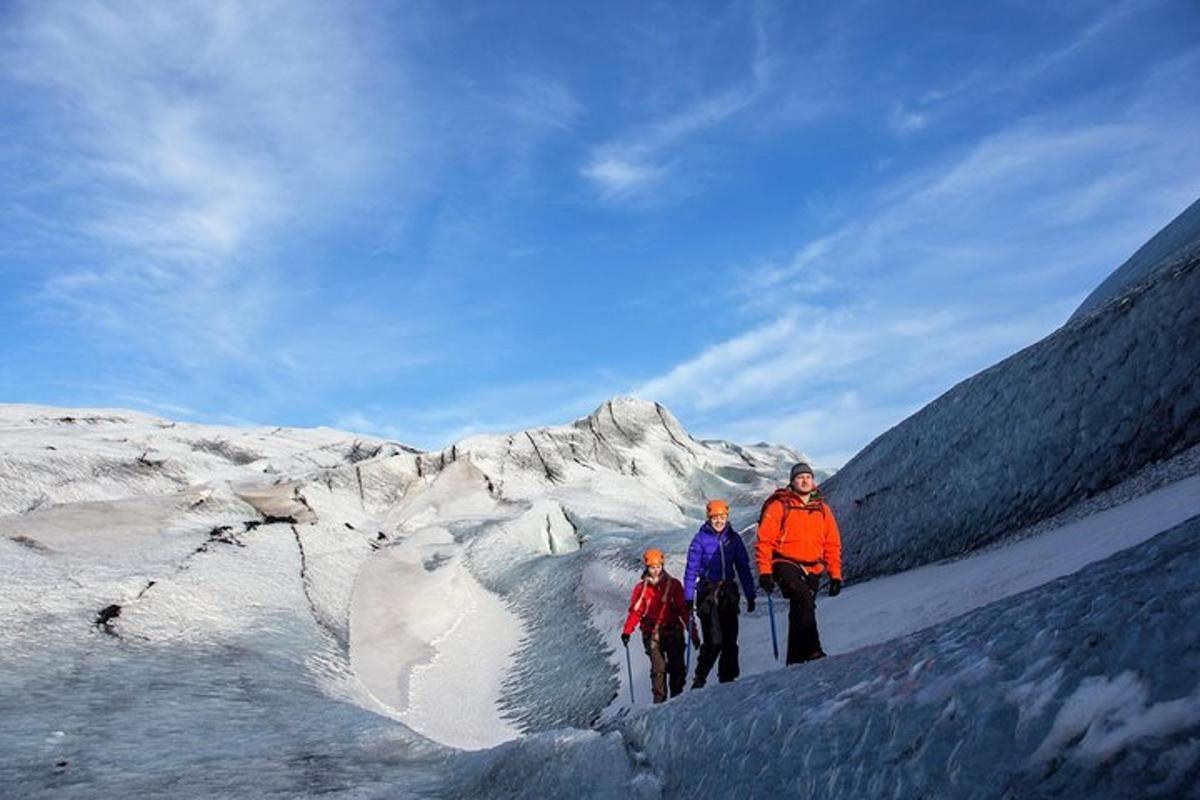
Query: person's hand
[[749, 605], [835, 587], [767, 583], [625, 639]]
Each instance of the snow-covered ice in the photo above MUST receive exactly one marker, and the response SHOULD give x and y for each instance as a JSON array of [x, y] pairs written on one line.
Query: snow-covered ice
[[422, 655], [350, 654], [1082, 687], [201, 611]]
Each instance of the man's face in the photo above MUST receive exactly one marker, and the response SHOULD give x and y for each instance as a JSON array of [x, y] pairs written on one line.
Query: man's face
[[655, 570], [803, 483], [718, 522]]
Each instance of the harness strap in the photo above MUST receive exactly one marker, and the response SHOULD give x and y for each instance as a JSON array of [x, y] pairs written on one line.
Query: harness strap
[[778, 558], [789, 508], [640, 605], [664, 606]]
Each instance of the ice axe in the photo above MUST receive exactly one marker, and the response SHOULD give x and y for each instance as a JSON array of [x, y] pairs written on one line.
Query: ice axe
[[687, 644], [774, 636], [687, 649], [629, 666]]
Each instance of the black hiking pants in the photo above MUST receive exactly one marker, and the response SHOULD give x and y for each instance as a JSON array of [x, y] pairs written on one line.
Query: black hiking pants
[[667, 671], [717, 609], [804, 643]]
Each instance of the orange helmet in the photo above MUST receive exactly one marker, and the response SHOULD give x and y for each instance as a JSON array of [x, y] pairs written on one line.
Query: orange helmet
[[717, 507], [653, 557]]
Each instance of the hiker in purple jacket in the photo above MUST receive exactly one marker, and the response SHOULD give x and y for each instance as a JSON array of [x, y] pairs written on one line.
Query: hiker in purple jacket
[[716, 562]]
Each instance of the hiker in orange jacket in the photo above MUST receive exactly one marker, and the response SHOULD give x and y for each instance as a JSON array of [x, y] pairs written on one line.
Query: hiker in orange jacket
[[798, 541], [657, 603]]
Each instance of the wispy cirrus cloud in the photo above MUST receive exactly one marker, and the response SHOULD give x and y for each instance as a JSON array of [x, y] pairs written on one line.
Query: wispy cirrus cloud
[[616, 175], [940, 272], [197, 122], [179, 142], [506, 407], [711, 370], [636, 162], [931, 105]]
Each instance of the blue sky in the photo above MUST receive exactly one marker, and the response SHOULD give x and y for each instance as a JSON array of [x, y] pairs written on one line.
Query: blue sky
[[787, 222]]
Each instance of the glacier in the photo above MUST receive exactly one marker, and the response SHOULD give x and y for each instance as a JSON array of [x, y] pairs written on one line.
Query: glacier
[[209, 611], [1075, 414]]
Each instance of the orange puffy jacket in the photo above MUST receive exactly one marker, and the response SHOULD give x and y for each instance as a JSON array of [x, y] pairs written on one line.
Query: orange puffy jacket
[[804, 533]]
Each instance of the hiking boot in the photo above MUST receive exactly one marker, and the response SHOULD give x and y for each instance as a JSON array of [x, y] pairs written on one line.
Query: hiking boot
[[698, 683], [816, 655]]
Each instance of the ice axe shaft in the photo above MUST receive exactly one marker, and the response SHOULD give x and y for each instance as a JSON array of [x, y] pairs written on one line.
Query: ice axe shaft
[[629, 666], [687, 649], [774, 636], [687, 643]]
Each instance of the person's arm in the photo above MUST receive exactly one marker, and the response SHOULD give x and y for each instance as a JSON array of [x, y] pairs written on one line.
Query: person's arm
[[741, 562], [692, 571], [635, 609], [832, 546], [768, 535]]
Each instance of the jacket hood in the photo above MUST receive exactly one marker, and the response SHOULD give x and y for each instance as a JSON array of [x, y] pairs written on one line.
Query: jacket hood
[[814, 497]]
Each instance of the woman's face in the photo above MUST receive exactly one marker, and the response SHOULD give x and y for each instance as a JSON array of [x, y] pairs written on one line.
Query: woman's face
[[718, 522], [655, 570]]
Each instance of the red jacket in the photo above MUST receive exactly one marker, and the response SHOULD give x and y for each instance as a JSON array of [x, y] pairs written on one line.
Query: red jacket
[[656, 605], [804, 533]]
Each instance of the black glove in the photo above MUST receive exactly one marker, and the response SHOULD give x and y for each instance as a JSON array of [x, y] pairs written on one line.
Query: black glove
[[625, 639], [749, 605], [767, 583], [835, 587], [690, 605]]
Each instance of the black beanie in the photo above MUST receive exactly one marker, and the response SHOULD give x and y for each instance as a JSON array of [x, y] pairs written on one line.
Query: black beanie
[[800, 468]]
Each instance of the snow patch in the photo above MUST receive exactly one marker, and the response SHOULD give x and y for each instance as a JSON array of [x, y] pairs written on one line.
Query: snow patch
[[432, 645], [1105, 715]]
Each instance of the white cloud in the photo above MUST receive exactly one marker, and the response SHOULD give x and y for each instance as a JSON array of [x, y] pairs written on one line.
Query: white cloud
[[494, 409], [638, 161], [986, 86], [185, 138], [615, 177], [358, 422], [829, 429], [198, 122], [713, 366], [903, 120], [541, 101], [940, 273]]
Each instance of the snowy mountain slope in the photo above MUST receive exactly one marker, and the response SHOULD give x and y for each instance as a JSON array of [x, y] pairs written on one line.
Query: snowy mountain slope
[[524, 522], [53, 456], [625, 446], [434, 579], [224, 682], [1057, 422], [1084, 686], [1175, 242], [265, 633]]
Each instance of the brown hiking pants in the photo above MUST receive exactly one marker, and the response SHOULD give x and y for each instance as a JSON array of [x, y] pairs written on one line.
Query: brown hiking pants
[[665, 648]]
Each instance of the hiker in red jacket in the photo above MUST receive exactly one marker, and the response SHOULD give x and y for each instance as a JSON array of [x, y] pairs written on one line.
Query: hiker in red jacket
[[657, 603]]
